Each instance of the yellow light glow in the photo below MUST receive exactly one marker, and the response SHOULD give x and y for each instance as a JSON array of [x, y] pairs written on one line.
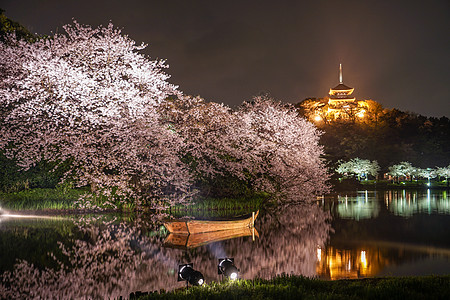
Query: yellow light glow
[[317, 118], [363, 259], [319, 254], [361, 113]]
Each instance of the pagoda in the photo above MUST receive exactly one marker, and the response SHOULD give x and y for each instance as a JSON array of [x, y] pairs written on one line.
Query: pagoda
[[340, 105], [341, 95]]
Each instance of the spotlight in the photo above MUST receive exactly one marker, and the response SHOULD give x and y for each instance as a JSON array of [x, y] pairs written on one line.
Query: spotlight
[[226, 267], [188, 274]]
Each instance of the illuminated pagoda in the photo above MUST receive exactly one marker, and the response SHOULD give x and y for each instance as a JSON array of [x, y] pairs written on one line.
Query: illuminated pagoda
[[340, 95], [340, 105]]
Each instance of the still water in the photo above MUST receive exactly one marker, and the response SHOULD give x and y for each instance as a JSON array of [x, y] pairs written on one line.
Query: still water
[[350, 235]]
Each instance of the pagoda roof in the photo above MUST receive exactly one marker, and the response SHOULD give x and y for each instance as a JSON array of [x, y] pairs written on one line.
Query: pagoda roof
[[342, 87]]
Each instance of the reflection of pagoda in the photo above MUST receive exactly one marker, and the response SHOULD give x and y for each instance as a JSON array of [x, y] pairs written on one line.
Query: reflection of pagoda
[[340, 95], [334, 263]]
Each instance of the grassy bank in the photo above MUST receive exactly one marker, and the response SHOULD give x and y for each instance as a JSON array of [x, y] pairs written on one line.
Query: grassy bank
[[297, 287], [64, 198], [40, 199]]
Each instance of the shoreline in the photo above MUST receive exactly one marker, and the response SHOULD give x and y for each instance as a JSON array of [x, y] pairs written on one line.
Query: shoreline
[[57, 212], [205, 205], [383, 186], [300, 287]]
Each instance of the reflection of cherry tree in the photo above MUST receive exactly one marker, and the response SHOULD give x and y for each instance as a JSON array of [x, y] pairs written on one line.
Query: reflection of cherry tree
[[288, 243], [115, 259]]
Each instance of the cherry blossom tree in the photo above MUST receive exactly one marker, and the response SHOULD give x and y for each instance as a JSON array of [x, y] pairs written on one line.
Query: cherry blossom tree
[[264, 144], [444, 172], [88, 96], [427, 173], [359, 167], [216, 141], [402, 169], [288, 147]]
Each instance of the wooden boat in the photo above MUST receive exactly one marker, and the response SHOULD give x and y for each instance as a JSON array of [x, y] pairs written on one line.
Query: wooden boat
[[200, 226], [190, 241]]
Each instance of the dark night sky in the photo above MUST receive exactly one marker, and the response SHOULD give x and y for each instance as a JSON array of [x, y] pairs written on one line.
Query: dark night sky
[[394, 52]]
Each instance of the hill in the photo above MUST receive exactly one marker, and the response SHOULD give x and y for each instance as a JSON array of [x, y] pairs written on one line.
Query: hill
[[386, 135]]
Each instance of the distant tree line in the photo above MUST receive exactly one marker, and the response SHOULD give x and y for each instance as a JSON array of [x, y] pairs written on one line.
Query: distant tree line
[[363, 168], [388, 136], [8, 26]]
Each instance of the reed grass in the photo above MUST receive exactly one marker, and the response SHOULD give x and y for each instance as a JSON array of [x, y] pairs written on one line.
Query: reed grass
[[64, 198], [219, 207], [40, 199]]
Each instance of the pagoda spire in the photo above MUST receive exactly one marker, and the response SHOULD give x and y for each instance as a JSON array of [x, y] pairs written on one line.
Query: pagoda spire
[[341, 92]]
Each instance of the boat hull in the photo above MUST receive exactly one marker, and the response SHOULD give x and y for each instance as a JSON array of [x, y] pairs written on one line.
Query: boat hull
[[201, 226], [190, 241]]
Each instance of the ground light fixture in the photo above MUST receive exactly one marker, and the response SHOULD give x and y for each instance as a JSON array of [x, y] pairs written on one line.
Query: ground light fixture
[[226, 267], [187, 273]]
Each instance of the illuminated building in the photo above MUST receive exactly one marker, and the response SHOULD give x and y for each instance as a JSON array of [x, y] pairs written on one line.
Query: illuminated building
[[339, 105], [342, 104], [341, 94]]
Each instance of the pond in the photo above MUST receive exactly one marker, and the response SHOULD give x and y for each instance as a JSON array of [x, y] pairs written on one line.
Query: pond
[[349, 235]]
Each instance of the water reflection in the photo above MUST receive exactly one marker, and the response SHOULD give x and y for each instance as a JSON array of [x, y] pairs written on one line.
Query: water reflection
[[191, 241], [407, 203], [366, 204], [104, 257], [287, 244], [362, 206], [387, 232], [349, 263], [96, 258], [375, 259]]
